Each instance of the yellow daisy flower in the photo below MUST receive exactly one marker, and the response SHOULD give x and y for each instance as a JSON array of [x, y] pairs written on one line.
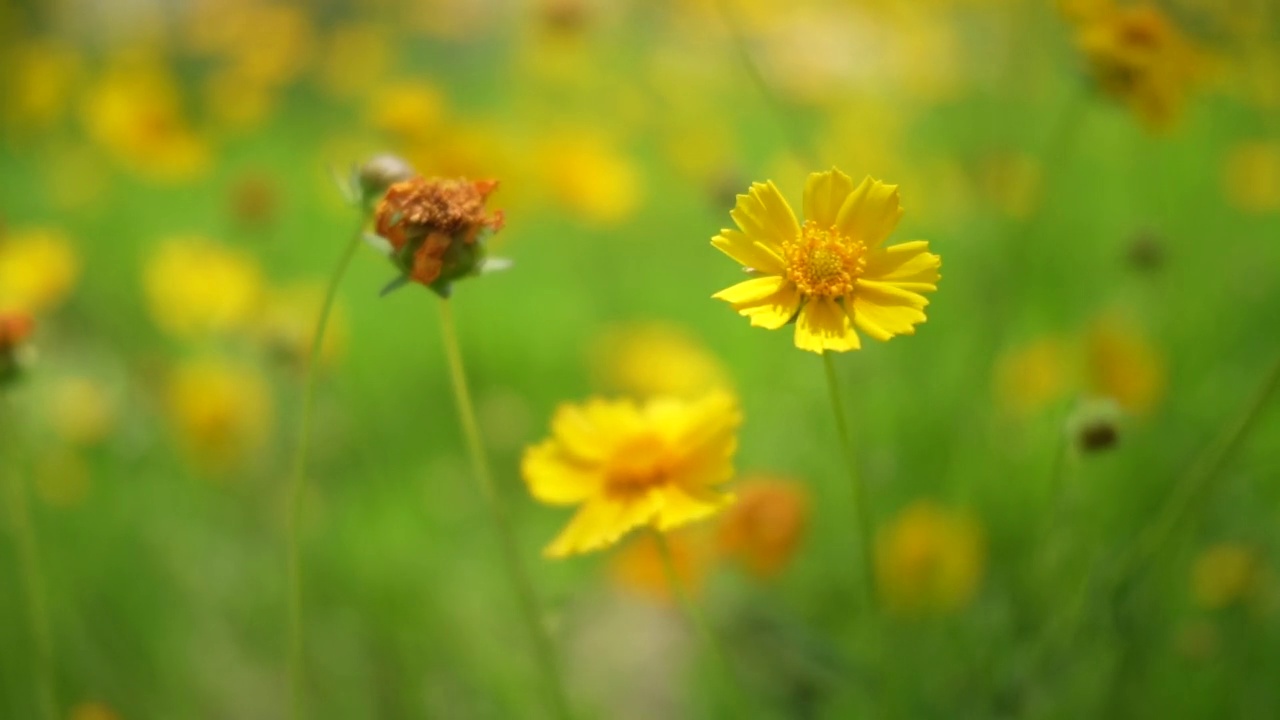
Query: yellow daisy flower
[[833, 273], [630, 465]]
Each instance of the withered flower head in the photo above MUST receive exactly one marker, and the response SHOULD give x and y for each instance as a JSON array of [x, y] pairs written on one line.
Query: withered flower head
[[15, 328], [435, 227]]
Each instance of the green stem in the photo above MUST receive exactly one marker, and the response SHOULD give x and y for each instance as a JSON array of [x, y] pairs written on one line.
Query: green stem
[[298, 478], [695, 615], [33, 584], [861, 503], [519, 577]]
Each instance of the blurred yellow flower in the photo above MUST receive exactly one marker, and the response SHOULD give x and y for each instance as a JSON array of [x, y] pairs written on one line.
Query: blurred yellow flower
[[408, 113], [236, 101], [221, 412], [81, 410], [929, 560], [1224, 575], [638, 565], [1139, 57], [629, 465], [1123, 366], [42, 75], [1252, 177], [355, 56], [590, 176], [287, 322], [765, 527], [38, 268], [647, 359], [92, 711], [197, 287], [832, 273], [1034, 376]]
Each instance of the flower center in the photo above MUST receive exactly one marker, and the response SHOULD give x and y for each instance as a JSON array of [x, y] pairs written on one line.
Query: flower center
[[822, 262], [638, 463]]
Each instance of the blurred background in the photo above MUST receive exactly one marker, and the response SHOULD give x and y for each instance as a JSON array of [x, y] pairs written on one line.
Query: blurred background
[[1103, 188]]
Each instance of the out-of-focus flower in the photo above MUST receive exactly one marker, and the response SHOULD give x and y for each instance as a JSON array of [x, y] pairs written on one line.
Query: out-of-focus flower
[[1035, 375], [638, 565], [590, 176], [197, 287], [254, 200], [1252, 177], [1094, 426], [221, 412], [655, 358], [1139, 57], [238, 102], [1123, 366], [833, 272], [38, 268], [1011, 182], [356, 55], [81, 410], [435, 228], [929, 560], [42, 74], [765, 527], [92, 711], [1224, 575], [134, 110], [15, 329], [628, 466], [287, 322], [409, 113]]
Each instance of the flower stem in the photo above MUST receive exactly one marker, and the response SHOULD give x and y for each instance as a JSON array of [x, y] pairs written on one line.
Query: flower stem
[[694, 613], [298, 479], [861, 503], [33, 584], [519, 577]]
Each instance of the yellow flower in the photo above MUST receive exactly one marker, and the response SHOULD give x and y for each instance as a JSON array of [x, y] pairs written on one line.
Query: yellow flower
[[929, 560], [43, 74], [1225, 574], [1252, 177], [1034, 376], [1140, 58], [1123, 366], [591, 177], [765, 527], [38, 268], [628, 466], [833, 273], [653, 358], [221, 412], [196, 287], [81, 410]]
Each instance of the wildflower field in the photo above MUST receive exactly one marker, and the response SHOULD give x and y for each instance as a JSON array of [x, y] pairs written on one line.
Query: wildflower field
[[639, 360]]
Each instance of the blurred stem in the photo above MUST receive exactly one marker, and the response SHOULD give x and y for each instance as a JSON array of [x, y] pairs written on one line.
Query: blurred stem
[[799, 143], [519, 577], [33, 584], [861, 503], [298, 476], [729, 678]]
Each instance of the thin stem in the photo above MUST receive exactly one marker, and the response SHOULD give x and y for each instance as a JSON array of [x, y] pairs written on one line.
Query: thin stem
[[33, 584], [861, 503], [298, 478], [519, 577], [695, 615]]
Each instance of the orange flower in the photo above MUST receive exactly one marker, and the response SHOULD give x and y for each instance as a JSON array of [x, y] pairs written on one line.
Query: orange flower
[[765, 527], [15, 328], [434, 227]]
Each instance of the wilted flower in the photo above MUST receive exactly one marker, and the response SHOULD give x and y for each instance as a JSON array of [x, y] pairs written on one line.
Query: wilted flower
[[832, 273], [766, 526], [435, 228], [222, 412], [38, 268], [197, 287], [1225, 574], [929, 560], [1140, 58], [654, 358], [628, 465]]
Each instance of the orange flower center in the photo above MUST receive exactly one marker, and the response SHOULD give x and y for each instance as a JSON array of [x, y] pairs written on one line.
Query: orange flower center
[[640, 462], [822, 262]]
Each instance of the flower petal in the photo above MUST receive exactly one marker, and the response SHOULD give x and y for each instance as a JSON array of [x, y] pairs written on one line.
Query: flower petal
[[774, 311], [824, 194], [765, 217], [824, 325], [870, 213], [909, 265], [748, 253], [891, 293], [750, 292], [602, 521], [884, 321], [557, 479], [681, 506]]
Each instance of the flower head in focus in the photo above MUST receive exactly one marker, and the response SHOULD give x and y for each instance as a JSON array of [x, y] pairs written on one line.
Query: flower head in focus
[[929, 560], [628, 465], [435, 228], [1140, 58], [832, 273]]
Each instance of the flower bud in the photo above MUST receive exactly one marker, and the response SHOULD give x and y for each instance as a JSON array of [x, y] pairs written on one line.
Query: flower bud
[[436, 227], [1095, 426], [379, 173]]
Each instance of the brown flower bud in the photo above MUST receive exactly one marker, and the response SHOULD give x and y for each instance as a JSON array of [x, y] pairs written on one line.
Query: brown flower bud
[[381, 172]]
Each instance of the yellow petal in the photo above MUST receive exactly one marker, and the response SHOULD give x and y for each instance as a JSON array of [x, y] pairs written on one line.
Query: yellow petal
[[824, 325], [681, 506], [748, 253], [774, 311], [556, 479], [870, 213], [751, 292], [890, 293], [882, 315], [909, 265], [765, 217], [824, 194], [601, 522]]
